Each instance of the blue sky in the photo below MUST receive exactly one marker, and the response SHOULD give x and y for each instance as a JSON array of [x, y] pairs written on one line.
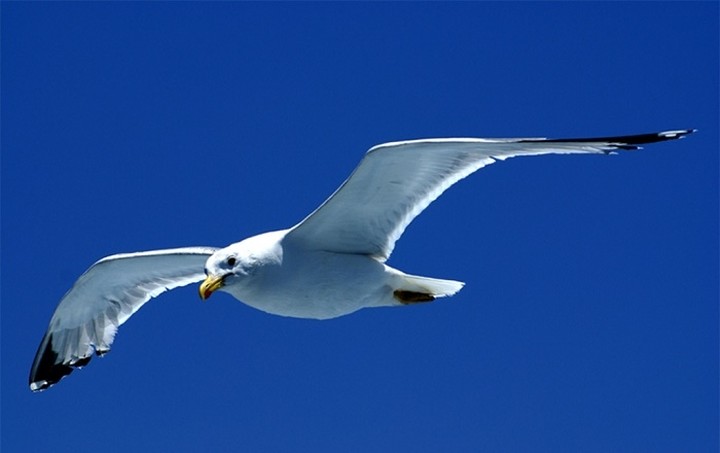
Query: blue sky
[[590, 317]]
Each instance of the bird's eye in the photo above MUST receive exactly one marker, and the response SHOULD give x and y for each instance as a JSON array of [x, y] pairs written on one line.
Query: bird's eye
[[231, 261]]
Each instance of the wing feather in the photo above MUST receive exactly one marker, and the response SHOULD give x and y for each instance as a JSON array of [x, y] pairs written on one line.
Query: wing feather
[[105, 296]]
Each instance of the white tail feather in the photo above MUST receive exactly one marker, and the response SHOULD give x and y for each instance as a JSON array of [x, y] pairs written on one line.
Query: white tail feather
[[433, 286]]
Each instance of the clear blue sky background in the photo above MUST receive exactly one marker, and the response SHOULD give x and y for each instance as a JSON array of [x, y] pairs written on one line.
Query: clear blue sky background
[[590, 317]]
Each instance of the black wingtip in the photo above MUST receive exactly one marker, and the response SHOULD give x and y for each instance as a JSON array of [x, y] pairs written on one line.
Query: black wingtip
[[47, 370], [671, 135], [631, 142], [628, 142]]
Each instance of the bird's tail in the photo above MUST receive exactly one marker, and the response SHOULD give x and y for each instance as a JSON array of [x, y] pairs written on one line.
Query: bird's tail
[[414, 288]]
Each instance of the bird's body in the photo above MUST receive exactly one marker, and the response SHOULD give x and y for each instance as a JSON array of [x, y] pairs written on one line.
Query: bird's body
[[330, 264], [288, 280], [284, 286]]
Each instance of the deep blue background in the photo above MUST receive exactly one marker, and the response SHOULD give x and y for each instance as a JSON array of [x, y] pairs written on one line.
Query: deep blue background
[[590, 317]]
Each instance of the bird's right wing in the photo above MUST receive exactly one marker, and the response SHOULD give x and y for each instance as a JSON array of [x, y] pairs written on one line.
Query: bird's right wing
[[104, 297], [396, 181]]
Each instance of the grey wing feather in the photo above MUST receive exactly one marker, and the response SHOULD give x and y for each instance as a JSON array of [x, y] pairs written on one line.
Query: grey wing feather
[[105, 296], [396, 181]]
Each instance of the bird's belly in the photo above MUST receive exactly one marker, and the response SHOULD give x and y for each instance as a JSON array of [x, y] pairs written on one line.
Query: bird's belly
[[321, 286]]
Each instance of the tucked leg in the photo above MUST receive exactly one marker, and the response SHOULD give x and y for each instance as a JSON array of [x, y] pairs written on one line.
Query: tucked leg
[[412, 297]]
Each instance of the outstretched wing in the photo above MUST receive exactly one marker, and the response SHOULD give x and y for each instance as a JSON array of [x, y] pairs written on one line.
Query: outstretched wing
[[104, 297], [396, 181]]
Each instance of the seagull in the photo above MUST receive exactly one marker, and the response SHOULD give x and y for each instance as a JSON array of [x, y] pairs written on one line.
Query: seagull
[[330, 264]]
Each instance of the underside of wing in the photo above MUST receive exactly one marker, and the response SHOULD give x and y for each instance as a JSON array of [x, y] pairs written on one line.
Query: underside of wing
[[105, 296], [396, 181]]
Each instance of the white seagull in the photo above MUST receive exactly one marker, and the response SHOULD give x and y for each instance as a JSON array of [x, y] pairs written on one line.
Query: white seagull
[[330, 264]]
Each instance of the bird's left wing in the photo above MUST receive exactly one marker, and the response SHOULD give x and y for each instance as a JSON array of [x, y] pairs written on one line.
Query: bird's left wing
[[103, 298], [396, 181]]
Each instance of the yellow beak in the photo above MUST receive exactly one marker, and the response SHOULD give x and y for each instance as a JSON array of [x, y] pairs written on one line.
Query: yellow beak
[[211, 284]]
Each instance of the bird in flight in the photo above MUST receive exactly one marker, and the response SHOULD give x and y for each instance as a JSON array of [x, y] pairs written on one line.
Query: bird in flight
[[330, 264]]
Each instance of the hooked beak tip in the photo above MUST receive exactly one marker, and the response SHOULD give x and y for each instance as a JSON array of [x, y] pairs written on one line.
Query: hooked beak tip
[[211, 284]]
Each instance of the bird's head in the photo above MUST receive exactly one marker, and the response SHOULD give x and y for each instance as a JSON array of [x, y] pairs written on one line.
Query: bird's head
[[225, 266], [221, 267], [230, 269]]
